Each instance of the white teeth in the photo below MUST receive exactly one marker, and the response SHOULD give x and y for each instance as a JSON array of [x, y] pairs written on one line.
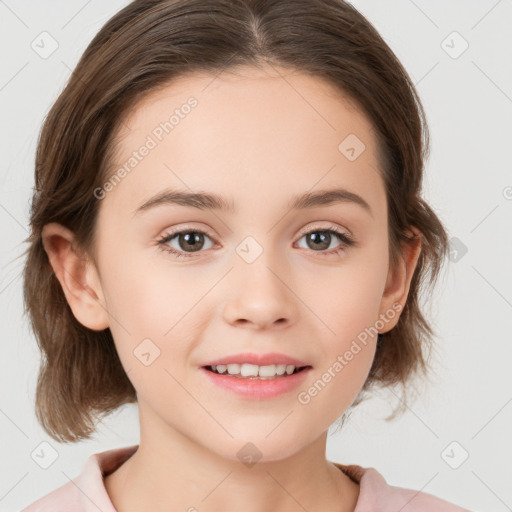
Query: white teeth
[[249, 370], [281, 368], [253, 370], [267, 371], [233, 369]]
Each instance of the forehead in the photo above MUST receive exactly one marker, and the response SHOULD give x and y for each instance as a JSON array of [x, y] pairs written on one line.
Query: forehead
[[252, 133]]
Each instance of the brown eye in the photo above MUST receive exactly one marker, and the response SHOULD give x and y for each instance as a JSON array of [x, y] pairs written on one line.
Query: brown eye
[[190, 241], [319, 240], [186, 242]]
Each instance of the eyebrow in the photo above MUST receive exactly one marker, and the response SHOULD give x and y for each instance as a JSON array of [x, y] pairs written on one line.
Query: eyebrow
[[210, 201]]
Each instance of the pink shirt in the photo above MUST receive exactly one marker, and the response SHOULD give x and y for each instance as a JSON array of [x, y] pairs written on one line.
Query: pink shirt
[[87, 493]]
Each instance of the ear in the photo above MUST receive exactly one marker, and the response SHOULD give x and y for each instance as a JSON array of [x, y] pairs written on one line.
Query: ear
[[399, 281], [77, 275]]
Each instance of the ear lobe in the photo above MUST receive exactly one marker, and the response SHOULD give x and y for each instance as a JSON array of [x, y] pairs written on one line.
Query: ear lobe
[[398, 282], [77, 276]]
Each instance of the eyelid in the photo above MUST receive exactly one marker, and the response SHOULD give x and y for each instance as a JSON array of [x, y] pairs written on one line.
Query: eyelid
[[335, 227], [347, 240], [186, 227], [302, 232]]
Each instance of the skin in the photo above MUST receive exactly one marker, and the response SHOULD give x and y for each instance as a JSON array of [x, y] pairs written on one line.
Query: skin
[[257, 138]]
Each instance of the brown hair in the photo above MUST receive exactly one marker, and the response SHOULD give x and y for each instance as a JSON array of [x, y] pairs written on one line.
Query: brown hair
[[148, 44]]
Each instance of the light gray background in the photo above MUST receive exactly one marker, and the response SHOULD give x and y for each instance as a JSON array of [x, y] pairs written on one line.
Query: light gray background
[[468, 101]]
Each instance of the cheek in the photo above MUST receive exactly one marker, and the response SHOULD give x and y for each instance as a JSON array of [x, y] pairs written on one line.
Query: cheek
[[351, 295], [348, 351], [350, 303], [145, 294], [156, 309]]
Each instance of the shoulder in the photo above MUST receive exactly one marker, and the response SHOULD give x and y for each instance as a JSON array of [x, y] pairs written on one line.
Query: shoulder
[[376, 494], [63, 498], [86, 492]]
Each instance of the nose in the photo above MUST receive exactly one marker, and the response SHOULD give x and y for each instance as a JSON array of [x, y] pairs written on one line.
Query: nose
[[259, 295]]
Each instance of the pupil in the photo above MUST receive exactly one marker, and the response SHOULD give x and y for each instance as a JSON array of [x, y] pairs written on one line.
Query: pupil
[[322, 236], [193, 240]]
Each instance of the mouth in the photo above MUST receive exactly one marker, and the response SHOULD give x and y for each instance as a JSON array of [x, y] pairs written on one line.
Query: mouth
[[255, 372], [270, 379]]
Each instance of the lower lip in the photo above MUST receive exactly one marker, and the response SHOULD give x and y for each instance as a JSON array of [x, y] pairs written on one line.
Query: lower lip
[[258, 389]]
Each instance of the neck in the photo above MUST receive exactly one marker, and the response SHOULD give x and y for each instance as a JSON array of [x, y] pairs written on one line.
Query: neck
[[173, 472]]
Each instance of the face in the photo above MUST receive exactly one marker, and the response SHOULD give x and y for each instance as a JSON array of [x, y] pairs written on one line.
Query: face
[[260, 275]]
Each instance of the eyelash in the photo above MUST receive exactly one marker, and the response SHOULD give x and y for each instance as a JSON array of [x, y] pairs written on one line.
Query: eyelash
[[347, 241]]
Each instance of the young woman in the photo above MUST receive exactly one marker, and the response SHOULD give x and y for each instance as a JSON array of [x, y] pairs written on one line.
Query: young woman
[[228, 230]]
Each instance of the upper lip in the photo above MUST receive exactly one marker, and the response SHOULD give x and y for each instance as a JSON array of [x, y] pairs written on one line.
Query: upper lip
[[258, 359]]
